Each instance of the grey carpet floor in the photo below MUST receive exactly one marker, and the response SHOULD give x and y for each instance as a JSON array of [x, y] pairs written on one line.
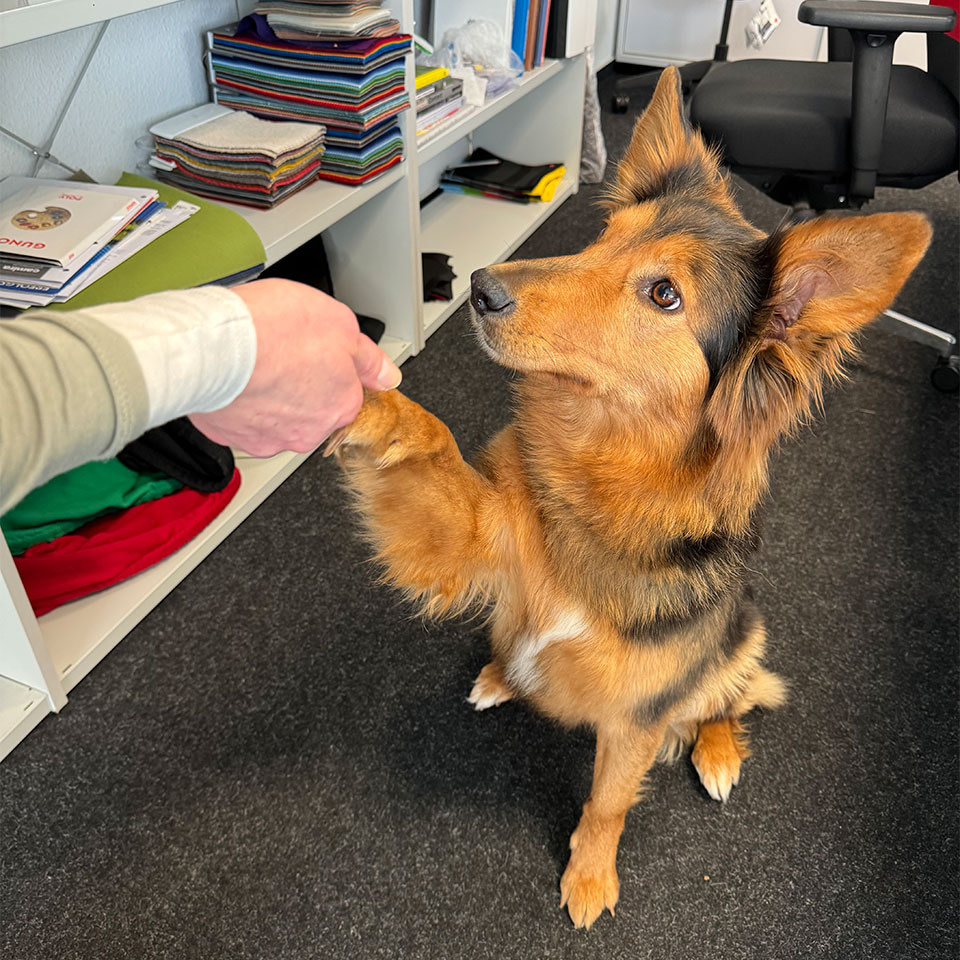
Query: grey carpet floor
[[278, 762]]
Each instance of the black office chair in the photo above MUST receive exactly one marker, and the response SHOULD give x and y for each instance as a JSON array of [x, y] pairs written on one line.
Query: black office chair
[[823, 136]]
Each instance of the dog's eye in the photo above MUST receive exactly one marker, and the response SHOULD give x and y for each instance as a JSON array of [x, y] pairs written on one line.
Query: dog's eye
[[665, 295]]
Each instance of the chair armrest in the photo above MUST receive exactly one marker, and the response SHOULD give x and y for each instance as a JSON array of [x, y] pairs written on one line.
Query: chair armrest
[[874, 28], [877, 16]]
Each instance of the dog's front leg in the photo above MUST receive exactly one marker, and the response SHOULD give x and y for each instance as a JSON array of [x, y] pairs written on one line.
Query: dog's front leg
[[625, 752], [433, 519]]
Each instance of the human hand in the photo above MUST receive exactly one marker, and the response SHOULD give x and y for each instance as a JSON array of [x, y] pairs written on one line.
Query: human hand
[[312, 365]]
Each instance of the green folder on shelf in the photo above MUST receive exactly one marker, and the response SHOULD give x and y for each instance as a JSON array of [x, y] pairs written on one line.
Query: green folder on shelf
[[212, 244]]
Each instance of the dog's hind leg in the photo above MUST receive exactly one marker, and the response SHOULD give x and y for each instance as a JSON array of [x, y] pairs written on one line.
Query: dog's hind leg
[[720, 749], [490, 688], [625, 752], [721, 744]]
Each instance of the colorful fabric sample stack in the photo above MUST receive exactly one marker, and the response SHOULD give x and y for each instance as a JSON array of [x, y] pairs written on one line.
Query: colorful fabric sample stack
[[230, 155], [353, 83], [327, 19]]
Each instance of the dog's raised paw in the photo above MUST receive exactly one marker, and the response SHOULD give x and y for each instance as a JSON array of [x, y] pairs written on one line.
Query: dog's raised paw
[[586, 894], [489, 689]]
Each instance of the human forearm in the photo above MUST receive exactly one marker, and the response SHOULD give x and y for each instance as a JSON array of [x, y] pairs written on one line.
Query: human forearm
[[71, 390], [79, 385]]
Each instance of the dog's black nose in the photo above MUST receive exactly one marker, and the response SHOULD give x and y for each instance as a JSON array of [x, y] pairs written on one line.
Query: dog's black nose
[[488, 295]]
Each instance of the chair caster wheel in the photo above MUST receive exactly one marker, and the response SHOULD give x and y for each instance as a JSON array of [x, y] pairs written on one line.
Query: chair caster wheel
[[945, 376], [621, 103]]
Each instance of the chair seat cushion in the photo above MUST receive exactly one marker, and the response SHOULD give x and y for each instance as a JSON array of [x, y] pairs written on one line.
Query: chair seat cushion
[[795, 116]]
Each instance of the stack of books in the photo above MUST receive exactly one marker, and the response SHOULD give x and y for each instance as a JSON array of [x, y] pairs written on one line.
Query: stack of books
[[355, 87], [485, 174], [529, 38], [59, 236], [439, 100], [231, 155]]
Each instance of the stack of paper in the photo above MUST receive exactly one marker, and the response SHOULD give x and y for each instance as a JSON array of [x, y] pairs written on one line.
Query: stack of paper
[[485, 174], [59, 236], [354, 87], [230, 155], [439, 100]]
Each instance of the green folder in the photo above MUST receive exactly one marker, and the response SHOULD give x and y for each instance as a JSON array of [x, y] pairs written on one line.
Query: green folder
[[212, 244]]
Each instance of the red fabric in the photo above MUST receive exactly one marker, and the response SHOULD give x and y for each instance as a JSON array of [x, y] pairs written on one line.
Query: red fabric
[[955, 6], [113, 548]]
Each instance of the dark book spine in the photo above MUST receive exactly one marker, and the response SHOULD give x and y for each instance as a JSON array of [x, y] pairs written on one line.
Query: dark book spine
[[557, 30]]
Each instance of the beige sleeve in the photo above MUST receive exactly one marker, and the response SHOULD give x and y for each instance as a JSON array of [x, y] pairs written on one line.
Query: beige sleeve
[[71, 391]]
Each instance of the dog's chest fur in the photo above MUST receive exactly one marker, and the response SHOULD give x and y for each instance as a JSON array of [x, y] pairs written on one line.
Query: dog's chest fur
[[522, 670]]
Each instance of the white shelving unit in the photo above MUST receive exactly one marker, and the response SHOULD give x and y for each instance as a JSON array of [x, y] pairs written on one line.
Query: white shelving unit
[[373, 237]]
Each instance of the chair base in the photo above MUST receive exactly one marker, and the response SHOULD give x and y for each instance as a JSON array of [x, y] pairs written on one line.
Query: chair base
[[945, 376]]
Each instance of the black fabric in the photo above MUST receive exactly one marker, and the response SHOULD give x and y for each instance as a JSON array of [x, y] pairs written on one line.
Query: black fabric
[[795, 116], [371, 326], [181, 451], [501, 175], [307, 264], [438, 277]]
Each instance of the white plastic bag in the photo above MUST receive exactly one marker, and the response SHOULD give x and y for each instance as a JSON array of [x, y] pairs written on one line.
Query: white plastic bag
[[477, 48], [593, 151]]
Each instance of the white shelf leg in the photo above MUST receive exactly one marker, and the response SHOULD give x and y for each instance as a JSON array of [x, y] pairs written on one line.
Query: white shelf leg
[[23, 655]]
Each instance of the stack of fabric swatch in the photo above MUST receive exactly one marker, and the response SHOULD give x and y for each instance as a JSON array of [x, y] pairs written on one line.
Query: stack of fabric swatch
[[328, 19], [230, 155], [351, 82]]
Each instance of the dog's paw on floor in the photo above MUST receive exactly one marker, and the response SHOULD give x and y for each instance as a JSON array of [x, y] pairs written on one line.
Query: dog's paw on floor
[[489, 689], [717, 755], [587, 892]]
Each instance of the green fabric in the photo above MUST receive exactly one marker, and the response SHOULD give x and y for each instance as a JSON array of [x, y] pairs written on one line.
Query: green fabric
[[70, 500], [214, 243]]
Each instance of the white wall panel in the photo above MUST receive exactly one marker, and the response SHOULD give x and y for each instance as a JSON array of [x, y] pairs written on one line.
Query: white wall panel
[[149, 66]]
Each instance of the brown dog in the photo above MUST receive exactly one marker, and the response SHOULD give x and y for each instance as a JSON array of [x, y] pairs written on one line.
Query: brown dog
[[608, 527]]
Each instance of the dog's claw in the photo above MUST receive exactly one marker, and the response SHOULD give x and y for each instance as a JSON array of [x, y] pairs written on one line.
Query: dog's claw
[[336, 438]]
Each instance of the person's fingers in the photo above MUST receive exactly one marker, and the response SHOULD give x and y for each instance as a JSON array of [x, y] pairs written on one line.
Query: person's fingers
[[374, 368]]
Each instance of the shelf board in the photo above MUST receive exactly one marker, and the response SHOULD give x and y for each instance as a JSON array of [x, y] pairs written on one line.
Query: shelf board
[[475, 232], [396, 350], [472, 119], [40, 19], [21, 709], [82, 633], [311, 211]]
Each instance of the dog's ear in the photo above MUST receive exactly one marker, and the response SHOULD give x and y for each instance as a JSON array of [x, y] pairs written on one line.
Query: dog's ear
[[665, 153], [828, 278]]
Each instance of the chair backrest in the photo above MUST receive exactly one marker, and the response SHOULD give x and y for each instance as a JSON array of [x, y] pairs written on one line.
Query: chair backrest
[[943, 52]]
